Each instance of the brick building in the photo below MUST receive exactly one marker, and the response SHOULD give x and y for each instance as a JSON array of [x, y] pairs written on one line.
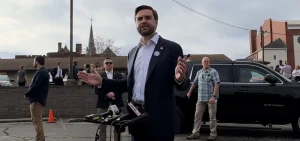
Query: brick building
[[11, 66], [281, 42]]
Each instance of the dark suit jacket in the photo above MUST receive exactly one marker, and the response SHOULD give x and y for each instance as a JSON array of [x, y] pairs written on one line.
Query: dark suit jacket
[[54, 71], [159, 102], [103, 101], [38, 89]]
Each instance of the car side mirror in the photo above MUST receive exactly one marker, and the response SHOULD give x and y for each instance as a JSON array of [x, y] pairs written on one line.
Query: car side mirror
[[271, 79]]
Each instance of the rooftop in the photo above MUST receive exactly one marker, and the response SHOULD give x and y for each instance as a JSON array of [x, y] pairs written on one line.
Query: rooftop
[[120, 62]]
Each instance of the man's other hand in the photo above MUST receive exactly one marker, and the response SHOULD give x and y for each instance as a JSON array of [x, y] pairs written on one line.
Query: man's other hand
[[111, 95], [180, 70]]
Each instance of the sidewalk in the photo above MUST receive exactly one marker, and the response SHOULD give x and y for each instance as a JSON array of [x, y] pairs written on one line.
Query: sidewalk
[[62, 130]]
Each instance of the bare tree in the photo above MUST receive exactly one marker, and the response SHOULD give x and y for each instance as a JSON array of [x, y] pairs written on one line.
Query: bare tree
[[102, 43]]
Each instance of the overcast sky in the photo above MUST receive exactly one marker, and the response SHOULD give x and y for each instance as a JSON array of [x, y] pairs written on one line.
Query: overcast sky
[[36, 26]]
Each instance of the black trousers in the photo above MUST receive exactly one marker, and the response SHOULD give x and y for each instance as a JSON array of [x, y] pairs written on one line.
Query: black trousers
[[22, 83], [297, 78], [58, 81]]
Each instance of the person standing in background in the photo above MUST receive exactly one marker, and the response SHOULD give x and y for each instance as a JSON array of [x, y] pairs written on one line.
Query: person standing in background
[[208, 82], [92, 66], [58, 75], [87, 69], [37, 95], [75, 70], [106, 98], [286, 70], [296, 73], [22, 77]]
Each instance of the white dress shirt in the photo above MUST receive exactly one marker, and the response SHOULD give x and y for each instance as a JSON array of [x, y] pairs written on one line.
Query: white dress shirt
[[58, 73], [296, 72], [141, 66], [109, 74]]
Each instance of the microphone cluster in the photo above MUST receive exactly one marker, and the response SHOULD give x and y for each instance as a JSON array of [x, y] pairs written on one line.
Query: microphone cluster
[[114, 117]]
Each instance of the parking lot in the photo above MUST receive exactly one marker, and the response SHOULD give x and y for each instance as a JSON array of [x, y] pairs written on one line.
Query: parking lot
[[63, 130]]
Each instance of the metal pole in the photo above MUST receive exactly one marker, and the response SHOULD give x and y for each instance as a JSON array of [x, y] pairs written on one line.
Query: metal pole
[[262, 45], [71, 39]]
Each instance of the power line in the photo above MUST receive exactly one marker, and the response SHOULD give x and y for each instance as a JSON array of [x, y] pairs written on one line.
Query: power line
[[216, 20]]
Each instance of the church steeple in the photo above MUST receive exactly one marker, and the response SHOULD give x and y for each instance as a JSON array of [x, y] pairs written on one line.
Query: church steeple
[[91, 47]]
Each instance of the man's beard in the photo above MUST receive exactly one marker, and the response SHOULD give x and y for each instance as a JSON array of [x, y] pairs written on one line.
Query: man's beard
[[35, 66], [150, 31]]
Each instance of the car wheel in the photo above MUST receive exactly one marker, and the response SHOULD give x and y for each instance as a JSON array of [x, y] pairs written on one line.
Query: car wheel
[[296, 124]]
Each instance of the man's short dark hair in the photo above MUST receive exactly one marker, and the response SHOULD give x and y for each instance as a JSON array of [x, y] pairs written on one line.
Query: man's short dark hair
[[40, 60], [75, 62], [87, 65], [143, 7], [106, 58]]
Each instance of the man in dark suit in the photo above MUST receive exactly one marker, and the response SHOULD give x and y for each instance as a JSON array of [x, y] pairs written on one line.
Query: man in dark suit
[[58, 75], [105, 98], [37, 95], [155, 66]]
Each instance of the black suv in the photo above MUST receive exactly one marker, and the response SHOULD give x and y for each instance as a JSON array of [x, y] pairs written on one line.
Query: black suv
[[249, 93]]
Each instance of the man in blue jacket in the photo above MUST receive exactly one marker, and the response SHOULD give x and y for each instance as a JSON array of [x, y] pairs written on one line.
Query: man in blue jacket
[[37, 95]]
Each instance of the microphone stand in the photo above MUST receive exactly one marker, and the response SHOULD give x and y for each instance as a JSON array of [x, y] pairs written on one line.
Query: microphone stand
[[97, 136]]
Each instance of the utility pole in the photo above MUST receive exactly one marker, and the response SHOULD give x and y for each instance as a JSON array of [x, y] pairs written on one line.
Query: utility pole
[[262, 37], [71, 40]]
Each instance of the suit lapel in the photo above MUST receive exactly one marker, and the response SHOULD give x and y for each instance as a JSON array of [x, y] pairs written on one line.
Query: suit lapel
[[131, 60], [130, 65], [104, 75], [114, 75], [156, 55]]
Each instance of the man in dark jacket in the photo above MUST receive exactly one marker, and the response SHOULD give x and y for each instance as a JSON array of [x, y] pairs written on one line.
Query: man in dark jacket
[[155, 66], [37, 95], [106, 98], [58, 75]]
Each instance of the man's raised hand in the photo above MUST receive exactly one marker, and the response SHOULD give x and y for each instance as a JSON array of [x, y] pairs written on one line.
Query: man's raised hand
[[92, 78]]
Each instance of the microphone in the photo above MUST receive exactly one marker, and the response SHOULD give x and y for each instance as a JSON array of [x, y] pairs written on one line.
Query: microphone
[[112, 111], [144, 115], [115, 119], [134, 109], [123, 116]]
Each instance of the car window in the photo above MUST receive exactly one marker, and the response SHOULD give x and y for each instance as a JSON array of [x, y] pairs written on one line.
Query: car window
[[195, 69], [4, 78], [251, 75], [223, 71]]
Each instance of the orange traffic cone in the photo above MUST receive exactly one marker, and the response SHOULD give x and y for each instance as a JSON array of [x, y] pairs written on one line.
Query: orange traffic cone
[[51, 117]]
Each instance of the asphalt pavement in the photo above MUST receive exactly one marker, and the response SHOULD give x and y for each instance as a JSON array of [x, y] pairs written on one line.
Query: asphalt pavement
[[63, 130]]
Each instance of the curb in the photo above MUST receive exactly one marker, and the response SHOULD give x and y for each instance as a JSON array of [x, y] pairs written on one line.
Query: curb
[[44, 119], [76, 120], [19, 120]]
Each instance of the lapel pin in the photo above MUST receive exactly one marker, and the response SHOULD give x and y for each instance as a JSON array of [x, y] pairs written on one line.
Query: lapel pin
[[156, 53]]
